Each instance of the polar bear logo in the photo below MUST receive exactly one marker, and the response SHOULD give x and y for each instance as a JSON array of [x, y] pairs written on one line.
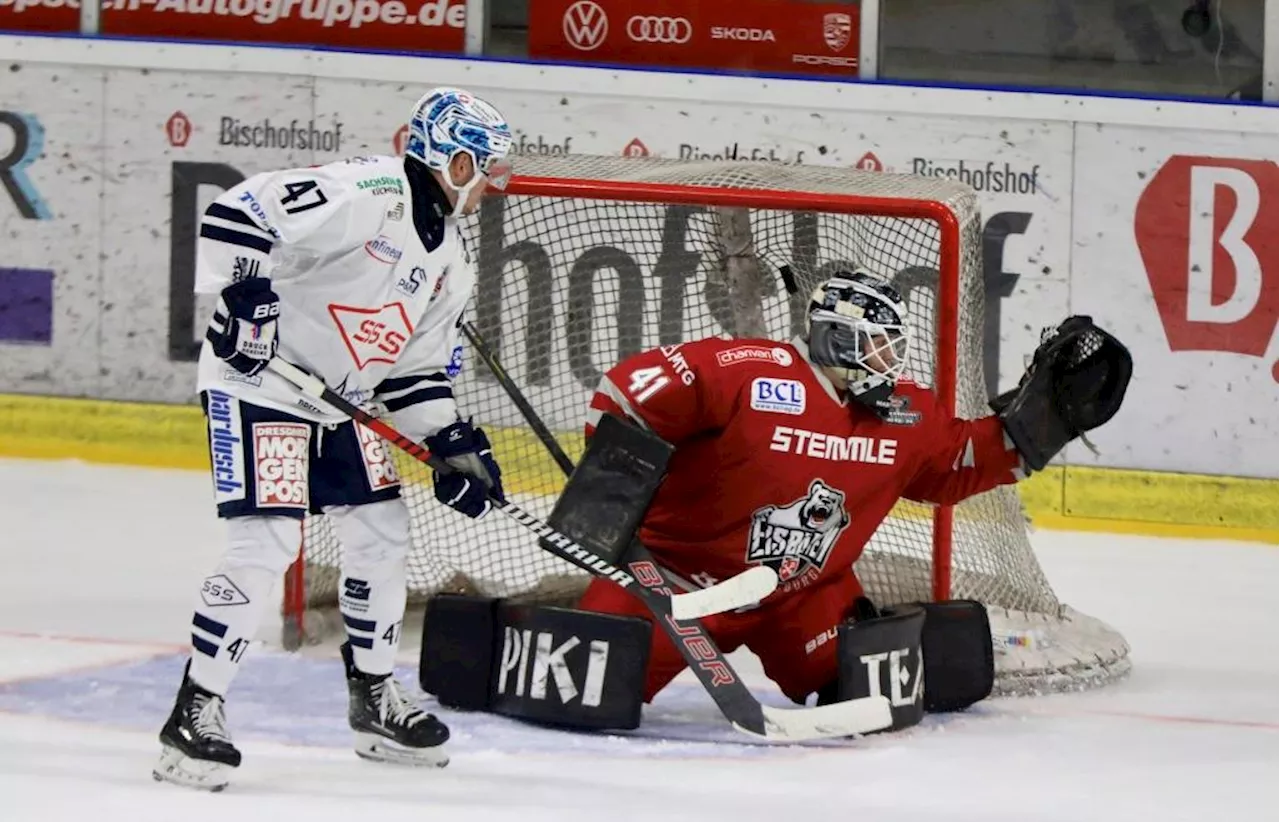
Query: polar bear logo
[[802, 531]]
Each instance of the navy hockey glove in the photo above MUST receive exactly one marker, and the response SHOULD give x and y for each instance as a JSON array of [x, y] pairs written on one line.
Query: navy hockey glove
[[466, 489], [243, 329]]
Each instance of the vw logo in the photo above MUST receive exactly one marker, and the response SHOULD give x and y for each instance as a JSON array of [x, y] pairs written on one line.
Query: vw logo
[[585, 25], [659, 29]]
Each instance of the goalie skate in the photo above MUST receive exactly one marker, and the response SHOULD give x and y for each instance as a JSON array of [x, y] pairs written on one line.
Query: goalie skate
[[197, 750], [388, 725]]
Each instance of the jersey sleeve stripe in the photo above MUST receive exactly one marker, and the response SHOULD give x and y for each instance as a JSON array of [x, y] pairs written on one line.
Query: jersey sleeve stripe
[[393, 385], [607, 389], [234, 215], [240, 238], [440, 392]]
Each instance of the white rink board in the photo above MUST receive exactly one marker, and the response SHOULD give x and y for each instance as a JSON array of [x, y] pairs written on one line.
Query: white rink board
[[1192, 406], [1062, 241]]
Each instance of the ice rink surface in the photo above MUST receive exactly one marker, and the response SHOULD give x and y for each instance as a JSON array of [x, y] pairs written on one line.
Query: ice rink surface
[[101, 566]]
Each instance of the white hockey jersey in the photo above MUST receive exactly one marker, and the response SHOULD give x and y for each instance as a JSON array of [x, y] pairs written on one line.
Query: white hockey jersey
[[371, 293]]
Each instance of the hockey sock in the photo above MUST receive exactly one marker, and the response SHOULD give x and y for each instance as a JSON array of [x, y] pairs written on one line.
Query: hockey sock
[[375, 541], [234, 597]]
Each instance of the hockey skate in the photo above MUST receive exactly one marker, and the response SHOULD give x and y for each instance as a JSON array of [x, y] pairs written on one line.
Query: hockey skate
[[197, 748], [390, 727]]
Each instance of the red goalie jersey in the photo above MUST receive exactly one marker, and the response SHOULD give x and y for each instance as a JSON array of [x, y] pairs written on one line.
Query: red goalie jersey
[[772, 467]]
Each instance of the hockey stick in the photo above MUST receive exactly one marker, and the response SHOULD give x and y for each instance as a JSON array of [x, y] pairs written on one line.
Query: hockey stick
[[700, 651], [513, 391], [741, 590], [544, 435]]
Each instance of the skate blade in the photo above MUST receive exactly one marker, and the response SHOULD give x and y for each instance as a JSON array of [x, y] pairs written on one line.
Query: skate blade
[[380, 749], [176, 767]]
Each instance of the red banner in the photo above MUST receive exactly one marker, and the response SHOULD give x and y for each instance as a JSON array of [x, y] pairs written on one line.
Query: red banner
[[54, 16], [759, 35], [380, 25]]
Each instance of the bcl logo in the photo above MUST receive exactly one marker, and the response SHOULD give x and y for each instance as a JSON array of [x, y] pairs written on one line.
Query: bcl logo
[[777, 396], [1206, 229], [178, 129]]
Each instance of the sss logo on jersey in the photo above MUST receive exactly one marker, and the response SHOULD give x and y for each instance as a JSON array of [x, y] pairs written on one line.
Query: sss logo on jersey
[[777, 396], [373, 334]]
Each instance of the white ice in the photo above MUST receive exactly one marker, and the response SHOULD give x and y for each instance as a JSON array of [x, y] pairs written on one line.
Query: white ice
[[99, 567]]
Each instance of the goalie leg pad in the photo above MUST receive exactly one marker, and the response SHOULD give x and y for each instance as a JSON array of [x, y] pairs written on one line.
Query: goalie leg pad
[[959, 662], [882, 656], [611, 489], [554, 666]]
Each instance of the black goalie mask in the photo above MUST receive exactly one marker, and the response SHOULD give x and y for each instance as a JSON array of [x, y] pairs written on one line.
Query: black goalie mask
[[857, 326]]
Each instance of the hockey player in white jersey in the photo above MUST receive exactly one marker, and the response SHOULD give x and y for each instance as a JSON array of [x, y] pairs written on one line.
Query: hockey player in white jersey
[[355, 271]]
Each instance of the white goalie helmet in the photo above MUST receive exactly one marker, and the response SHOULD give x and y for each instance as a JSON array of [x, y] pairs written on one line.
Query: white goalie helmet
[[447, 122], [856, 325]]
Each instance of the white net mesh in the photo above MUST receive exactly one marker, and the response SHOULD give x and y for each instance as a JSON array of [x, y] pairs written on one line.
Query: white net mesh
[[590, 259]]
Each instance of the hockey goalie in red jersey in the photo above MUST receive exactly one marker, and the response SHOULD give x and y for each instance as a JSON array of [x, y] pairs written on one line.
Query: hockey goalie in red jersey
[[790, 455]]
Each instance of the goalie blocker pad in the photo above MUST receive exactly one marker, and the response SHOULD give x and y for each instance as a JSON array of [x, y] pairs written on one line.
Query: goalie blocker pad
[[554, 666], [609, 492], [934, 656]]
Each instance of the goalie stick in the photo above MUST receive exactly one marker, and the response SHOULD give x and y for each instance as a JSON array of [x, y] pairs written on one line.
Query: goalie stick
[[744, 589], [700, 651]]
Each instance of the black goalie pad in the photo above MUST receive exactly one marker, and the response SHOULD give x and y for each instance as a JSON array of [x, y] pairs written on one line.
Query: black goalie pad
[[923, 656], [609, 492], [1076, 382], [883, 656], [959, 658], [553, 666]]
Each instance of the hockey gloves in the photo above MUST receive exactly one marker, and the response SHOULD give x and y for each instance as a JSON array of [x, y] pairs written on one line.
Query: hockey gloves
[[1075, 383], [467, 450], [243, 329]]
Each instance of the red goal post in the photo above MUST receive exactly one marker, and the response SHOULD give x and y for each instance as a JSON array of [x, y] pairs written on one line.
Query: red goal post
[[582, 253]]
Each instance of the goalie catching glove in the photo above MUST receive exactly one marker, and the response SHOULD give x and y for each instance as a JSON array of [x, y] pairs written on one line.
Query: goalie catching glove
[[466, 489], [1075, 383], [243, 329]]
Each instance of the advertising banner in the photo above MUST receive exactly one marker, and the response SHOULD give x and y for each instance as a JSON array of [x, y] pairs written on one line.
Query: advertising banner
[[759, 35], [1166, 236], [377, 25], [51, 229], [48, 16], [1175, 251], [175, 141]]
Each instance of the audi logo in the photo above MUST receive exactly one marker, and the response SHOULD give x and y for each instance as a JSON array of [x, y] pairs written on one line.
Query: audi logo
[[659, 29]]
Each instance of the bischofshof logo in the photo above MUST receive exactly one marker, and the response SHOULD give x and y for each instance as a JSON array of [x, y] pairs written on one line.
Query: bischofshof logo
[[735, 151], [585, 25], [267, 134], [635, 148], [523, 143], [178, 129], [989, 176]]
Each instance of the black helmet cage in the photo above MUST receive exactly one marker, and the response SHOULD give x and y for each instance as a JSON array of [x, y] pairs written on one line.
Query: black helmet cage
[[856, 324]]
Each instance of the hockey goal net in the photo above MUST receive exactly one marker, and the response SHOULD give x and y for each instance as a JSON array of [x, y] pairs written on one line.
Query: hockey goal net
[[586, 260]]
